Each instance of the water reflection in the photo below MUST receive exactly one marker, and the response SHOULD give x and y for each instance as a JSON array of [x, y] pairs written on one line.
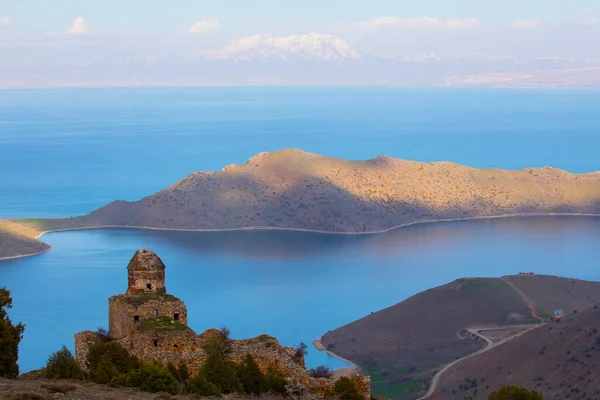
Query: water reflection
[[292, 285]]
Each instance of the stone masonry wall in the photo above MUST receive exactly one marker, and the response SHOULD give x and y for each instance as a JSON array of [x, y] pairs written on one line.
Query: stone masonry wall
[[122, 310], [138, 281], [185, 345]]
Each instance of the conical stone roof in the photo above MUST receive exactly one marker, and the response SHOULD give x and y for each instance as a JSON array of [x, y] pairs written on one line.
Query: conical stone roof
[[144, 259]]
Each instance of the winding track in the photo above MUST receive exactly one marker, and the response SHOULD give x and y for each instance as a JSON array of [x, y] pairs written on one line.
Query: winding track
[[490, 344]]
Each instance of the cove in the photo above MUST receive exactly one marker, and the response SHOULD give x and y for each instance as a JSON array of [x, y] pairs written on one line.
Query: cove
[[292, 285]]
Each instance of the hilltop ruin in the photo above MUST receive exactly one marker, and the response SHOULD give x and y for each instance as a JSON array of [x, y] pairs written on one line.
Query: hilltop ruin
[[152, 325]]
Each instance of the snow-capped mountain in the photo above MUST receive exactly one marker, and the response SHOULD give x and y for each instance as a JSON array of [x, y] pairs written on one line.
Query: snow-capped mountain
[[264, 47]]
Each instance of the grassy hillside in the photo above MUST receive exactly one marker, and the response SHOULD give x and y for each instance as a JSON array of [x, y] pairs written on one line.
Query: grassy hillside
[[559, 359], [19, 240], [295, 189], [402, 346], [550, 293]]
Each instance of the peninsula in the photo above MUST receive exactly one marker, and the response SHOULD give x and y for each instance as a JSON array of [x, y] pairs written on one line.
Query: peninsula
[[293, 189], [468, 337]]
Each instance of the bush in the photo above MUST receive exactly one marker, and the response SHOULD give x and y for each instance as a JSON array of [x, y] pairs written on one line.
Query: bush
[[105, 372], [225, 332], [251, 377], [10, 336], [514, 393], [107, 360], [181, 373], [62, 365], [218, 369], [345, 390], [320, 372], [103, 335], [59, 388], [199, 385], [151, 378], [275, 381], [301, 350]]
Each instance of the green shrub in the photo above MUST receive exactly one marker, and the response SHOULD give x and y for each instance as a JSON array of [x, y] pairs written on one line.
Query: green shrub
[[275, 381], [107, 360], [199, 385], [62, 365], [218, 369], [345, 390], [181, 373], [151, 378], [515, 393], [251, 377], [10, 336], [105, 372]]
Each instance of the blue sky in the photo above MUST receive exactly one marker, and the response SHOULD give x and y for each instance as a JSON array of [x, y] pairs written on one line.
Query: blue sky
[[279, 17]]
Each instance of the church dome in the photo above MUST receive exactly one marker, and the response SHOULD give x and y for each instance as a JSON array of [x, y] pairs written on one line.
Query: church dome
[[145, 260]]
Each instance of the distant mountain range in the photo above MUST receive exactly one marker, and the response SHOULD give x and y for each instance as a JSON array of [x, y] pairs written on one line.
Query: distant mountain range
[[269, 48], [315, 59]]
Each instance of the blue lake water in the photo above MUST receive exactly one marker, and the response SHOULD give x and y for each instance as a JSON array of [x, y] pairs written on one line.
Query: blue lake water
[[66, 152]]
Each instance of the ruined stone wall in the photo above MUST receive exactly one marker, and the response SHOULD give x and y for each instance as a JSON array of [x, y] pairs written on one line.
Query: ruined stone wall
[[83, 341], [123, 309], [139, 280], [185, 345]]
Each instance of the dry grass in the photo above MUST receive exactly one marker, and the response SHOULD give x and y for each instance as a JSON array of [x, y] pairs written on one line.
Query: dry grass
[[17, 240], [558, 359], [295, 189]]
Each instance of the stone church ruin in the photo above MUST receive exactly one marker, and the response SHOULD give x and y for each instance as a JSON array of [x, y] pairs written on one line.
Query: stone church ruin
[[152, 325]]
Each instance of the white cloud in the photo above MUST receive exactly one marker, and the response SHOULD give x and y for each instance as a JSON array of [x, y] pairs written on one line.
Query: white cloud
[[204, 26], [5, 21], [79, 27], [417, 23], [525, 24]]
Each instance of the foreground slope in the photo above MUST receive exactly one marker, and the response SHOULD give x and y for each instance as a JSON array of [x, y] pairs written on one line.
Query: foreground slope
[[402, 347], [561, 360], [18, 240], [298, 190]]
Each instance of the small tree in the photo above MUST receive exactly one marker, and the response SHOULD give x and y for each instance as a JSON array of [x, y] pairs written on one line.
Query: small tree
[[514, 393], [345, 390], [320, 372], [301, 350], [152, 378], [10, 337], [200, 386], [103, 335], [181, 373], [62, 365], [275, 381], [105, 371], [111, 354], [218, 369], [251, 377], [225, 332]]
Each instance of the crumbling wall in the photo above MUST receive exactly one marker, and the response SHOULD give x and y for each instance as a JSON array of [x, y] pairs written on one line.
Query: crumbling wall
[[123, 309]]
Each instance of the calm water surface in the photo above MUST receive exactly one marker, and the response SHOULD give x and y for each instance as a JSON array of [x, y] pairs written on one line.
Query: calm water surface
[[67, 152], [292, 285]]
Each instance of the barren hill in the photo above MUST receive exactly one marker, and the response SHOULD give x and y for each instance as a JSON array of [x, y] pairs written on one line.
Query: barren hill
[[402, 347], [560, 360], [18, 240], [299, 190]]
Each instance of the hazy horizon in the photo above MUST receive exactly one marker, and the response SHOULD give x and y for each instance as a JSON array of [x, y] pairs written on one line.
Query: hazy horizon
[[432, 43]]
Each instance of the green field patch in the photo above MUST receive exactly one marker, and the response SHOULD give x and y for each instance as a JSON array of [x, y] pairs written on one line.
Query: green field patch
[[162, 324]]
